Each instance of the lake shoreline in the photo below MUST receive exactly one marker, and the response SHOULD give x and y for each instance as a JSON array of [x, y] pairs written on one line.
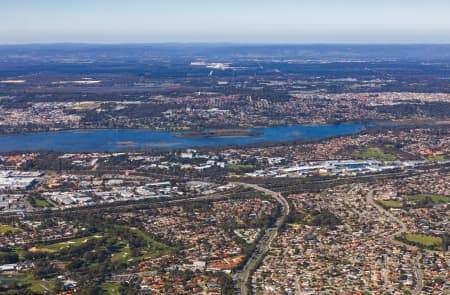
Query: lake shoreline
[[239, 129], [133, 140], [141, 140]]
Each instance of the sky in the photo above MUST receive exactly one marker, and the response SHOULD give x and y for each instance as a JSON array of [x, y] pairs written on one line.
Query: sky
[[225, 21]]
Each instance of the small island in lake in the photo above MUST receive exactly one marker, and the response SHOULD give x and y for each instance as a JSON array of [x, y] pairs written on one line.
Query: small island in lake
[[219, 133], [126, 143]]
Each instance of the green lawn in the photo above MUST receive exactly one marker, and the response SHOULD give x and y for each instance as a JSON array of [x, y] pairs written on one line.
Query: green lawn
[[153, 249], [74, 242], [435, 198], [35, 285], [437, 158], [425, 240], [38, 202], [8, 228], [42, 203], [390, 204], [122, 256], [151, 242], [40, 286], [374, 154]]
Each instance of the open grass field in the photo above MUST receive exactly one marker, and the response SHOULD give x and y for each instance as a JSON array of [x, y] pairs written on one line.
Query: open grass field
[[8, 228], [151, 242], [40, 286], [435, 198], [56, 247], [153, 249], [390, 204], [33, 284], [123, 256], [437, 158], [42, 203], [425, 240], [37, 202], [374, 154]]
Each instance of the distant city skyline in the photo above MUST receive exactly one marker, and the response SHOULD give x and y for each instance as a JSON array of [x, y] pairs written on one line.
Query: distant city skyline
[[233, 21]]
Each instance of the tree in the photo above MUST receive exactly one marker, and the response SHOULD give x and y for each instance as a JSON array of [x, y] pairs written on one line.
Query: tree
[[226, 284], [6, 258], [43, 269]]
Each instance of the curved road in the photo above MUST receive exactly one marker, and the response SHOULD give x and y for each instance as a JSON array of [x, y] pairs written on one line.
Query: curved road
[[391, 238], [392, 217], [241, 278]]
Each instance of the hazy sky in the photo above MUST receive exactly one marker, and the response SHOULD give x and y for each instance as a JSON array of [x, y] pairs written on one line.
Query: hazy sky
[[249, 21]]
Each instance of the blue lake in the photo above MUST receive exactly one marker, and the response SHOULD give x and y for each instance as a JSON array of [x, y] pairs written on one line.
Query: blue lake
[[128, 140]]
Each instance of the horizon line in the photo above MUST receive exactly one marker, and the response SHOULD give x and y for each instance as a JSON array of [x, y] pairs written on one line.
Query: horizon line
[[226, 43]]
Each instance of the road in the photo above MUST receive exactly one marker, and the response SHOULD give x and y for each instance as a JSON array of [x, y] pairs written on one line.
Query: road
[[391, 238], [392, 217], [419, 279], [242, 278], [370, 177], [119, 206]]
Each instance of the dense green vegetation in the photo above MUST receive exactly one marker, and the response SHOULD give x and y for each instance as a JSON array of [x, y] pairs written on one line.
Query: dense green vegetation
[[111, 289], [316, 218], [324, 218], [226, 284], [242, 168], [140, 246], [8, 256]]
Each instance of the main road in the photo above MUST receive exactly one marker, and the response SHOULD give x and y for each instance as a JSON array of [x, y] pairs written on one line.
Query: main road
[[391, 238], [391, 217], [419, 278], [242, 277]]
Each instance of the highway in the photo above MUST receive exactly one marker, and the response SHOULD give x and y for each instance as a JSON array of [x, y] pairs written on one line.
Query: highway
[[242, 278], [120, 206]]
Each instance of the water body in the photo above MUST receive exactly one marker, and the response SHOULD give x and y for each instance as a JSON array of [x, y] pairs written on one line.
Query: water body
[[129, 140]]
